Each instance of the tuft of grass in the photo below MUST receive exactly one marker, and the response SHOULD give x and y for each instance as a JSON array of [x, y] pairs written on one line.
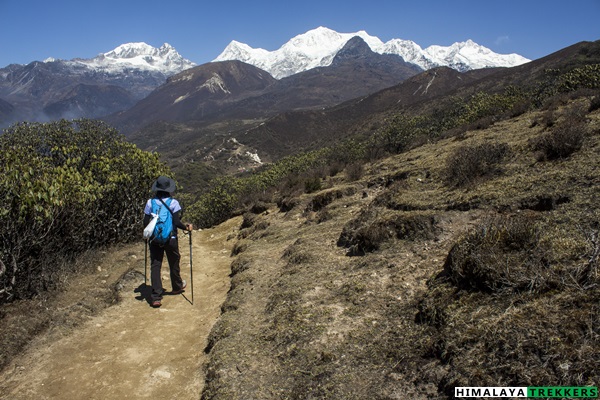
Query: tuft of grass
[[252, 224], [564, 140], [239, 247], [296, 253], [490, 340], [373, 228], [594, 104], [354, 171], [470, 162], [523, 292], [502, 253]]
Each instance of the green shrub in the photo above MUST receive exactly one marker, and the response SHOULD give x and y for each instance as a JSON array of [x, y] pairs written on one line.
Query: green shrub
[[217, 204], [558, 81], [67, 187], [312, 184], [397, 134]]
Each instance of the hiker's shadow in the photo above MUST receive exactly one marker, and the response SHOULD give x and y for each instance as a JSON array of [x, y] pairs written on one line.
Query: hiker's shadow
[[144, 293]]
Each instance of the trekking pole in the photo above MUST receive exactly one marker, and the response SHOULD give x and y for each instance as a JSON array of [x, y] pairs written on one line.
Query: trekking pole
[[145, 262], [191, 270]]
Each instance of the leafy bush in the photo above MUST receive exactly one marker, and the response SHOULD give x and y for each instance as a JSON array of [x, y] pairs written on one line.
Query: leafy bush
[[312, 184], [228, 195], [558, 81], [216, 205], [469, 162], [398, 134], [478, 110], [67, 187], [346, 152]]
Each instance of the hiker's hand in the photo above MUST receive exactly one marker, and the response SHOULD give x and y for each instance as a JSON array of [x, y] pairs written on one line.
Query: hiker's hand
[[189, 227]]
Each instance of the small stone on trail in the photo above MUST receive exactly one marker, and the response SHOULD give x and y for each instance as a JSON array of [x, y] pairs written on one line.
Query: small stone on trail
[[160, 373]]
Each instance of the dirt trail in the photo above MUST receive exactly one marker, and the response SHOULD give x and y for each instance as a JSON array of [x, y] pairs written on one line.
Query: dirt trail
[[130, 350]]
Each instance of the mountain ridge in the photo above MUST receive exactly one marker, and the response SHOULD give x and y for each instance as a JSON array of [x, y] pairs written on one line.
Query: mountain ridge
[[423, 93], [41, 91], [318, 47], [30, 90], [412, 96], [356, 72]]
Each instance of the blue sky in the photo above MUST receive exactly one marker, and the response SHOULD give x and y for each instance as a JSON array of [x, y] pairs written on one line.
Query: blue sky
[[200, 30]]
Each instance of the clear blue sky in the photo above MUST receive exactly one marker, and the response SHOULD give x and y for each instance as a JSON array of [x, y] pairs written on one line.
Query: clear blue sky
[[200, 30]]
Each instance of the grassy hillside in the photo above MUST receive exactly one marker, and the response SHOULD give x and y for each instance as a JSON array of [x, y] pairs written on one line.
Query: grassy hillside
[[469, 261], [464, 253]]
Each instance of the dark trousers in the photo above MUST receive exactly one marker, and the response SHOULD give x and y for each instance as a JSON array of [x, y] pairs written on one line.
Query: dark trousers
[[157, 253]]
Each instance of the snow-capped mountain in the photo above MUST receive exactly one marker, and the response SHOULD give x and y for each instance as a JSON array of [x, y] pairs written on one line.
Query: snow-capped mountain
[[318, 47], [140, 56], [315, 48], [107, 83], [469, 55]]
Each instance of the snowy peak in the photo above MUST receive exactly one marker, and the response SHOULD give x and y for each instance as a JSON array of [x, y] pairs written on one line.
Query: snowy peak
[[132, 50], [318, 47], [140, 56], [409, 51], [105, 84], [322, 41], [143, 56], [315, 48], [241, 52], [468, 55]]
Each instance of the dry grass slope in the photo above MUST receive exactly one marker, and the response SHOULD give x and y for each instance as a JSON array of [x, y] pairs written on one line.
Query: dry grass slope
[[488, 282]]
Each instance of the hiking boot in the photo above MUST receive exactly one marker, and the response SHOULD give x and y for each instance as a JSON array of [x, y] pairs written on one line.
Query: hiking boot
[[183, 286], [156, 303]]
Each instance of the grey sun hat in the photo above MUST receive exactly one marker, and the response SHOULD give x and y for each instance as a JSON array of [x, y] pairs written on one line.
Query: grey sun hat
[[164, 184]]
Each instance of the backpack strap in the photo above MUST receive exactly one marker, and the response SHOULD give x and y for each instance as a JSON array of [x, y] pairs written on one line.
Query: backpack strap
[[174, 229], [168, 208]]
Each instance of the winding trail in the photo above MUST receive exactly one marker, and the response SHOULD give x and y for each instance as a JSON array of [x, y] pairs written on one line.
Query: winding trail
[[130, 350]]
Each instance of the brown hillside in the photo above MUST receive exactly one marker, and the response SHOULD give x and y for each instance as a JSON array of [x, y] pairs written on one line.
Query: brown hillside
[[195, 94], [405, 283]]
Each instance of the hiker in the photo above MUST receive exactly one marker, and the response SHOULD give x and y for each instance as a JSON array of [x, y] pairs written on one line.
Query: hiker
[[164, 188]]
